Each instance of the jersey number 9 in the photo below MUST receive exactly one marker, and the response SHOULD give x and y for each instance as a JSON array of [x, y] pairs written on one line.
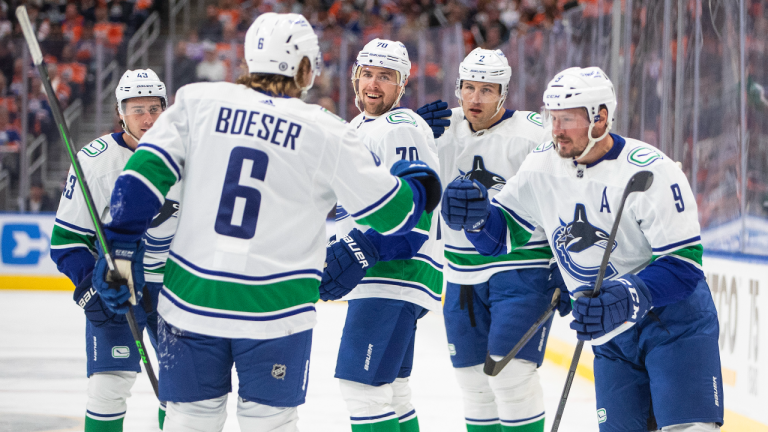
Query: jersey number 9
[[240, 200]]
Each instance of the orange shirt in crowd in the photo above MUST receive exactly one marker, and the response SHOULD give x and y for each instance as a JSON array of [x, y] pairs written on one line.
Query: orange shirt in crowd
[[73, 29], [110, 32]]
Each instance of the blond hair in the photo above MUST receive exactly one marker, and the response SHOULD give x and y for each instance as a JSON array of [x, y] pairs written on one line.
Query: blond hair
[[277, 84]]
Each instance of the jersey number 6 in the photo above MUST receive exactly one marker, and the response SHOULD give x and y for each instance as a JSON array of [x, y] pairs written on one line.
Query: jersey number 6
[[240, 200]]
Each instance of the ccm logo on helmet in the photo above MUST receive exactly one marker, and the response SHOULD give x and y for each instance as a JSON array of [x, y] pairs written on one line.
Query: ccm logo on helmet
[[354, 248]]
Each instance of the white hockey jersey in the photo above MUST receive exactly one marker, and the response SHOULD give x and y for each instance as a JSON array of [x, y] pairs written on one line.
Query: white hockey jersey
[[492, 157], [576, 205], [400, 134], [102, 162], [260, 175]]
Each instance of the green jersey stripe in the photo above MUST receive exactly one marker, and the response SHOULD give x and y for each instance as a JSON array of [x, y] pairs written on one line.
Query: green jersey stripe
[[412, 271], [517, 234], [64, 237], [152, 168], [236, 297], [391, 216], [470, 260], [690, 253]]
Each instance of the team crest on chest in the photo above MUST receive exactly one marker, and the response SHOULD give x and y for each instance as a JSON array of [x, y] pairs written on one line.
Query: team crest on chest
[[579, 246], [486, 178]]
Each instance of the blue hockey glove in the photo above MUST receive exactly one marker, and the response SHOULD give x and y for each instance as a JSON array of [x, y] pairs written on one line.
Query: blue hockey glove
[[120, 294], [620, 304], [421, 172], [95, 310], [437, 115], [346, 262], [465, 205], [556, 281]]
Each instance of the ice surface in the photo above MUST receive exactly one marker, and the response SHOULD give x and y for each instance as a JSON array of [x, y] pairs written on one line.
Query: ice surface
[[43, 384]]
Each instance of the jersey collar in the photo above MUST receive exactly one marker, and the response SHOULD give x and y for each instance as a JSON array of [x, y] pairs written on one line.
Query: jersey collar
[[367, 119], [270, 94], [507, 114], [613, 153], [118, 137]]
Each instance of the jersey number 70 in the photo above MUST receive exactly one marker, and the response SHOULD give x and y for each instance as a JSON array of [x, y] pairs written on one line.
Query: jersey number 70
[[240, 200]]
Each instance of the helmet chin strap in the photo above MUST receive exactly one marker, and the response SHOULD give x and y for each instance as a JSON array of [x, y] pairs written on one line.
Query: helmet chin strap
[[126, 130]]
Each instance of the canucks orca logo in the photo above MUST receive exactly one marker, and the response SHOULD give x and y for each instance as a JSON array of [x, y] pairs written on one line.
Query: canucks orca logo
[[169, 209], [486, 178], [579, 246]]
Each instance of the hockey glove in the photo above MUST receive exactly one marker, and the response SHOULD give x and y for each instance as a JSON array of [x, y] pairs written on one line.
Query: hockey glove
[[119, 294], [437, 115], [346, 262], [421, 172], [465, 205], [95, 310], [397, 247], [620, 304], [556, 281]]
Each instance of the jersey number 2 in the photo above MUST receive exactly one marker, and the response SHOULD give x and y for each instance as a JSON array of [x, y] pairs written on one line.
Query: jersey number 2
[[240, 200]]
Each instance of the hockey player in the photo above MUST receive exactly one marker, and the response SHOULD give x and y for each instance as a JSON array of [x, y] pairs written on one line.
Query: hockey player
[[376, 352], [655, 332], [490, 302], [113, 360], [261, 169]]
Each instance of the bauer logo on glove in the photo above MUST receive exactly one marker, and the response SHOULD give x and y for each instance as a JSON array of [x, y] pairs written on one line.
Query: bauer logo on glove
[[361, 259]]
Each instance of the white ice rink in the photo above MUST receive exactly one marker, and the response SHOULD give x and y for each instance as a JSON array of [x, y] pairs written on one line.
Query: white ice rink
[[43, 383]]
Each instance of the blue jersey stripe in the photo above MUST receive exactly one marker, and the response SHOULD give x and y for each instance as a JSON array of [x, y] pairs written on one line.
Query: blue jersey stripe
[[372, 417], [242, 277], [74, 227], [506, 264], [674, 245], [399, 283], [517, 217], [377, 203]]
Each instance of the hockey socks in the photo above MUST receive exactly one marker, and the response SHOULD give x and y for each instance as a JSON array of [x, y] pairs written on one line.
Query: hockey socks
[[483, 425], [383, 423], [409, 422], [103, 423], [533, 426], [161, 415]]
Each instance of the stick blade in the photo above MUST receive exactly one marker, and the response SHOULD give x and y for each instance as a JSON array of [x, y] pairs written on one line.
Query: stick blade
[[490, 367], [29, 34], [640, 182]]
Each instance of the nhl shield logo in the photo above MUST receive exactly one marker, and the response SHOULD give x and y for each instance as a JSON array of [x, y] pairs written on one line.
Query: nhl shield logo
[[278, 371]]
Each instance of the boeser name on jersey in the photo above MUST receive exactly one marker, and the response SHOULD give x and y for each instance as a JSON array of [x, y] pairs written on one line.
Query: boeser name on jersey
[[272, 129]]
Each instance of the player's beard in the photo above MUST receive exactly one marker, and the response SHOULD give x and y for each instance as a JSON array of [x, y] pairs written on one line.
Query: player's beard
[[377, 108], [572, 153]]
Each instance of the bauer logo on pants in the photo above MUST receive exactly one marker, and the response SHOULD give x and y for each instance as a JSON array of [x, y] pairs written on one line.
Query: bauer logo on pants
[[602, 416], [278, 371]]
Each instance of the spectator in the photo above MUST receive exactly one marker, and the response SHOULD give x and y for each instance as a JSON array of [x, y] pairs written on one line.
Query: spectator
[[72, 26], [119, 11], [10, 139], [110, 33], [184, 68], [6, 28], [228, 15], [85, 49], [194, 47], [38, 200], [211, 68], [211, 28], [40, 115], [60, 87], [6, 60]]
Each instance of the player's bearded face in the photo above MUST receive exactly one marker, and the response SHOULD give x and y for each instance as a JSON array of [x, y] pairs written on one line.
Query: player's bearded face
[[140, 114], [569, 131], [480, 101], [377, 89]]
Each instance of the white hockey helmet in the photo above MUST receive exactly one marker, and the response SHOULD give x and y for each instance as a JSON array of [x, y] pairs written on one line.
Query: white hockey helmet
[[587, 88], [139, 83], [387, 54], [276, 43], [490, 66]]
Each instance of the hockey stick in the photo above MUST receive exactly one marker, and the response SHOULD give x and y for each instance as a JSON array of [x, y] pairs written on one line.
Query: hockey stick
[[640, 182], [37, 59], [493, 367]]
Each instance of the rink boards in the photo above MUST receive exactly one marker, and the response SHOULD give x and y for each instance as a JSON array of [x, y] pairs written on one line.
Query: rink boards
[[739, 287]]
